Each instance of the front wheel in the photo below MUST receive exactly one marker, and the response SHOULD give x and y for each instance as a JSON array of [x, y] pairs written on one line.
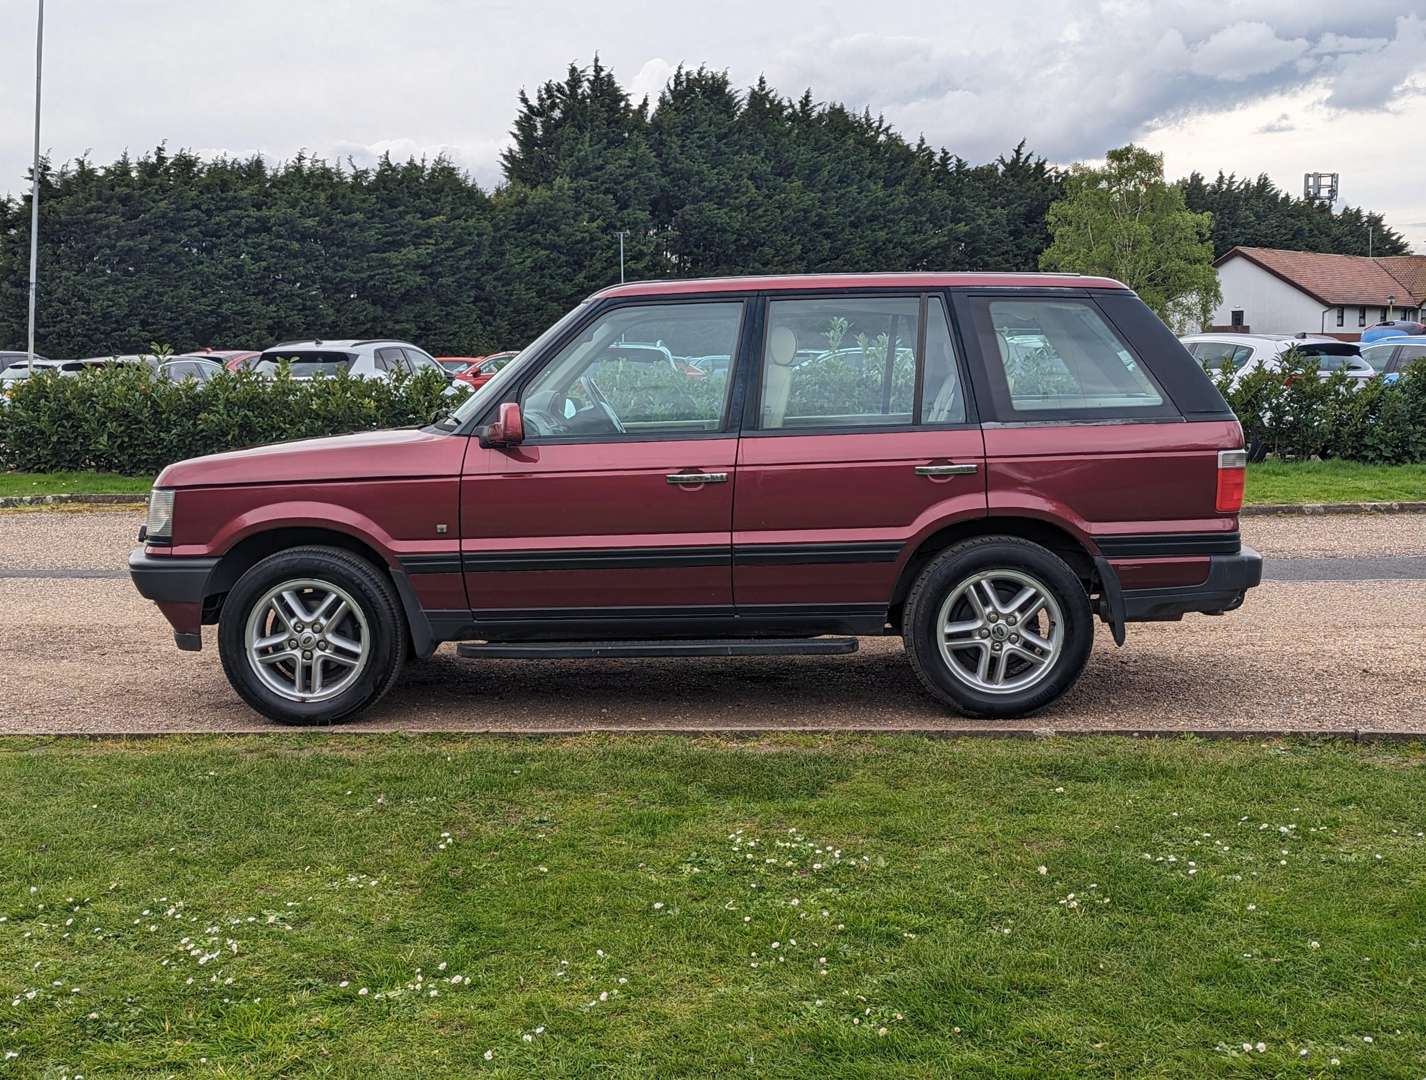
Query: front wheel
[[311, 636], [998, 626]]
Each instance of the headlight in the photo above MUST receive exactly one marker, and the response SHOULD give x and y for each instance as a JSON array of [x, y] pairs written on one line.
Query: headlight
[[158, 529]]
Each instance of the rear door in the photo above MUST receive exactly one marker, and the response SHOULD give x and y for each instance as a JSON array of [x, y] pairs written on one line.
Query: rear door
[[859, 437], [1081, 432]]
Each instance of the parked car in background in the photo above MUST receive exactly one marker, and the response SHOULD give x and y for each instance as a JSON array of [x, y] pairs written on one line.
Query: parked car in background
[[1391, 357], [8, 358], [232, 359], [454, 365], [178, 368], [20, 369], [1245, 353], [1391, 328], [480, 370], [984, 505], [371, 359]]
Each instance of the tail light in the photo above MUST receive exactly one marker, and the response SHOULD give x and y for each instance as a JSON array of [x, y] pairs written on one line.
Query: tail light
[[1232, 479]]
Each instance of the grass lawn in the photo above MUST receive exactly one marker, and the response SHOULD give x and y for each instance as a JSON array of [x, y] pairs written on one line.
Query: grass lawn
[[1334, 481], [67, 483], [387, 906]]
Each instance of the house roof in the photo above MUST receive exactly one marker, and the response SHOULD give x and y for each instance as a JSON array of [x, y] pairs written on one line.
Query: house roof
[[1343, 279]]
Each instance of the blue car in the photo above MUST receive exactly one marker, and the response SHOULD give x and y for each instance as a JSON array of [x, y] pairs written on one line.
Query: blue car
[[1392, 328], [1391, 356]]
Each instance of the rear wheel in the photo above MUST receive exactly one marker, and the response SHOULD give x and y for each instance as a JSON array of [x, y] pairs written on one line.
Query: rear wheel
[[311, 636], [998, 626]]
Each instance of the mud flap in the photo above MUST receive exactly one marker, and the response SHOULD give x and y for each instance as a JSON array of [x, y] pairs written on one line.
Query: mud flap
[[1111, 598]]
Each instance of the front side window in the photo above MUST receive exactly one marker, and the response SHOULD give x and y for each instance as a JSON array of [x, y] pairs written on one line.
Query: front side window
[[629, 374], [840, 362], [1214, 356], [419, 361], [1052, 358]]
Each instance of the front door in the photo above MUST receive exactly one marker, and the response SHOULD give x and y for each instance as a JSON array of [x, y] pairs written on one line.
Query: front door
[[617, 507], [864, 441]]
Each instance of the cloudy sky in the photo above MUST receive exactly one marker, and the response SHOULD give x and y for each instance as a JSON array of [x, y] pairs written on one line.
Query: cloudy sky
[[1246, 86]]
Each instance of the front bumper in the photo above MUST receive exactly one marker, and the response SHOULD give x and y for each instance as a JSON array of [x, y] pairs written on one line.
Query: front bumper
[[178, 586], [1229, 579]]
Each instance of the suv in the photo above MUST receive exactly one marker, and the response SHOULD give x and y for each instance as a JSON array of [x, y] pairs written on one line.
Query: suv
[[1244, 354], [375, 359], [982, 464]]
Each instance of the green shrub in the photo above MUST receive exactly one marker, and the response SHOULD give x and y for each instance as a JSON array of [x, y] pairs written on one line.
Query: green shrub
[[125, 419], [1296, 415]]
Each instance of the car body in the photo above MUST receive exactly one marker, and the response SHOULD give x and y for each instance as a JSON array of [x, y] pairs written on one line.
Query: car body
[[8, 358], [1390, 329], [376, 358], [231, 359], [200, 368], [985, 503], [481, 369], [1247, 353], [1391, 357]]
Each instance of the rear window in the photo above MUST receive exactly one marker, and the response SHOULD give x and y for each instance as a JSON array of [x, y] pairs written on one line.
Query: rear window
[[1215, 355], [306, 362]]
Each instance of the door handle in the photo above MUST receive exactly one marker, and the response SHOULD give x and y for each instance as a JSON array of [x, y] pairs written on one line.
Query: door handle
[[946, 470], [696, 479]]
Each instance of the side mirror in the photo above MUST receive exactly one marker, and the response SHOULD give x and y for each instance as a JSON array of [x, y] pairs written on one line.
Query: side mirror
[[508, 430]]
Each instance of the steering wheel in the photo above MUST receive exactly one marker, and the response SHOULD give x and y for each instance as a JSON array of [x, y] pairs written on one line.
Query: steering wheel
[[538, 422]]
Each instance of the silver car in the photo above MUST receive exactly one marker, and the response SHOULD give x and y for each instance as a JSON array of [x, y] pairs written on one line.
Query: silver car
[[371, 359], [1246, 353]]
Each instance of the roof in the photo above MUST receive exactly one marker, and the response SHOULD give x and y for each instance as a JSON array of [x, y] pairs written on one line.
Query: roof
[[774, 283], [1343, 279]]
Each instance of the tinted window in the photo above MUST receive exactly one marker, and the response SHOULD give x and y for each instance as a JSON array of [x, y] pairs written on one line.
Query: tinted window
[[306, 363], [1214, 355], [391, 360], [627, 374], [419, 361], [840, 362], [1050, 356], [1378, 356], [1405, 355]]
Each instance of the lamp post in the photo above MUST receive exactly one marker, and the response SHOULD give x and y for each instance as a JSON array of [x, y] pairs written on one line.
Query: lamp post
[[1390, 307], [35, 180]]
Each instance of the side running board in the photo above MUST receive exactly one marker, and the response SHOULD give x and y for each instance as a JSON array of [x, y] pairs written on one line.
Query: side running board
[[590, 650]]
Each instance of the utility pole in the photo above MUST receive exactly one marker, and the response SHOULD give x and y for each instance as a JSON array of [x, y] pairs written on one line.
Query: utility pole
[[621, 256], [35, 180]]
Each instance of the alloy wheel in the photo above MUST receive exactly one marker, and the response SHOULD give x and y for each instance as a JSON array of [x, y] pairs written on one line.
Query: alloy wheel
[[307, 640], [1000, 631]]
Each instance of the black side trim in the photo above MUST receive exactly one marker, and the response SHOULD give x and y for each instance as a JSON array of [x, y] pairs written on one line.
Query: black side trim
[[645, 623], [590, 650], [1150, 545], [424, 638], [441, 562], [170, 579], [649, 558], [1111, 605], [584, 614], [780, 554], [598, 559]]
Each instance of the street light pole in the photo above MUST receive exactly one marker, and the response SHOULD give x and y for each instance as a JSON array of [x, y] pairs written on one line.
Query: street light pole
[[35, 179], [621, 256]]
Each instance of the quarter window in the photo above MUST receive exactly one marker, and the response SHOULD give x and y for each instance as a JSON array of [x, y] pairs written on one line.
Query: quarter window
[[630, 374], [1052, 356]]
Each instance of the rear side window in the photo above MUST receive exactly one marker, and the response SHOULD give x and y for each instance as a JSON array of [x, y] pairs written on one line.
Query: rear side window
[[1215, 355], [1053, 359]]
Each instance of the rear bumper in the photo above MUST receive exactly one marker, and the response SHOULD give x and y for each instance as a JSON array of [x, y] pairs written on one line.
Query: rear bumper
[[178, 586], [1229, 579]]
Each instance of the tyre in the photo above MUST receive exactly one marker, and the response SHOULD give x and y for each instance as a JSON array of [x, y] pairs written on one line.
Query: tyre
[[997, 626], [312, 636]]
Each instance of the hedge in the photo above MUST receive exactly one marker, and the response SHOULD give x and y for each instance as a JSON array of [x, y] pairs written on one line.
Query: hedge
[[1296, 415], [125, 419]]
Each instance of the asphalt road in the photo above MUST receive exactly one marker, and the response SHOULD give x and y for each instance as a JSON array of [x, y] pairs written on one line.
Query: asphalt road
[[1333, 640]]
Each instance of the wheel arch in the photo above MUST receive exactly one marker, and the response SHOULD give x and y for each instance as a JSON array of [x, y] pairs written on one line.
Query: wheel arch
[[256, 546], [1048, 535]]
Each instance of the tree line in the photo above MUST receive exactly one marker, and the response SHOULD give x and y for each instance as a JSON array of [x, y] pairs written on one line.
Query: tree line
[[708, 180]]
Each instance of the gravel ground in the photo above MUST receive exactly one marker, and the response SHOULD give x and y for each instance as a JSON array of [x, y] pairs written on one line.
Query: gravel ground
[[92, 655]]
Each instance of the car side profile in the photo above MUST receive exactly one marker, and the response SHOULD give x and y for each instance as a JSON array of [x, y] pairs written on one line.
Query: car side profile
[[982, 464], [369, 359], [1243, 354], [1391, 357]]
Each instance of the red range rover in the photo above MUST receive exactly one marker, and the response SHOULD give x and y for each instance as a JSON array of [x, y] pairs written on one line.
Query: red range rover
[[981, 463]]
